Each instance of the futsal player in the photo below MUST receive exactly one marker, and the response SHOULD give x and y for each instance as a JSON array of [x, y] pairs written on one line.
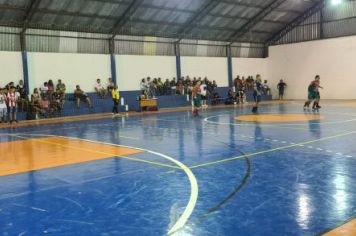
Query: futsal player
[[196, 95], [257, 92], [313, 94]]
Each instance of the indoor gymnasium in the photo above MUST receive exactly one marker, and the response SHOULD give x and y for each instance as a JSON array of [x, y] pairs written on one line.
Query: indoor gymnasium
[[178, 117]]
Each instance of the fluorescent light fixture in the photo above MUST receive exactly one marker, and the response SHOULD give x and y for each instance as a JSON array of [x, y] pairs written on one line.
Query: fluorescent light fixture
[[335, 2]]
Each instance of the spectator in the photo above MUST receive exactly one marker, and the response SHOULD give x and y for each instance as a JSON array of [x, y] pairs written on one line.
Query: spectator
[[281, 87], [50, 87], [143, 86], [204, 94], [61, 87], [36, 100], [12, 98], [3, 107], [167, 87], [110, 85], [23, 100], [266, 88], [151, 87], [44, 89], [231, 96], [61, 90], [99, 89], [81, 95], [160, 87], [173, 86]]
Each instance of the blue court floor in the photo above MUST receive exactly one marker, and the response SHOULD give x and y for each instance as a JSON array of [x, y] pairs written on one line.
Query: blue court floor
[[206, 175]]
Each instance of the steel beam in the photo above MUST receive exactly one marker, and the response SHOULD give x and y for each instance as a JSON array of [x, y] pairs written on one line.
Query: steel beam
[[193, 21], [30, 11], [255, 20], [298, 20], [135, 4]]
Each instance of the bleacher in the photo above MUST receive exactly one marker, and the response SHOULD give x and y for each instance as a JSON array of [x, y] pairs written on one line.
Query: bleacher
[[130, 99]]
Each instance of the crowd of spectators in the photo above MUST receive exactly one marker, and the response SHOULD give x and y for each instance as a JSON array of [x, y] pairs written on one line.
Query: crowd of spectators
[[237, 93], [183, 86]]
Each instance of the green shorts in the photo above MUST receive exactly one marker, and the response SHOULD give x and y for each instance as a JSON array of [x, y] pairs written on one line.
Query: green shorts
[[197, 101]]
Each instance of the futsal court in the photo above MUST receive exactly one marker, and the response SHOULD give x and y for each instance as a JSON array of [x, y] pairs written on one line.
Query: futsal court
[[226, 172]]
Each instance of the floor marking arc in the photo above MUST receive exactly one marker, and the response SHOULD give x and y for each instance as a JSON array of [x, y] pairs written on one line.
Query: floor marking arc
[[192, 179]]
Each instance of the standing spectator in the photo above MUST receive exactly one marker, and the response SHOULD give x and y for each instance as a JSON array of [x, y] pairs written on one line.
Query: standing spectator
[[23, 100], [99, 89], [151, 87], [110, 85], [3, 107], [81, 95], [12, 98], [281, 87], [204, 94], [143, 86], [50, 87], [115, 97]]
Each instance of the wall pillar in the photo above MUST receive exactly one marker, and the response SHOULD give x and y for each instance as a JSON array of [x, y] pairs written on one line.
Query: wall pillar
[[24, 62], [229, 65], [178, 62], [112, 60]]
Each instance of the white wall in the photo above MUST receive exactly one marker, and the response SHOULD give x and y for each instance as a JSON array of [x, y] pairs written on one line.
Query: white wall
[[73, 69], [215, 68], [333, 59], [130, 69], [250, 66], [10, 67]]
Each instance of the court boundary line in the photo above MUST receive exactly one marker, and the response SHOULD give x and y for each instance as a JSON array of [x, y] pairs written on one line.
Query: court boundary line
[[183, 219]]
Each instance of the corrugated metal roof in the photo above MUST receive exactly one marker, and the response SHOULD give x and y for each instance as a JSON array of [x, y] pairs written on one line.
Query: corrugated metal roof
[[206, 19]]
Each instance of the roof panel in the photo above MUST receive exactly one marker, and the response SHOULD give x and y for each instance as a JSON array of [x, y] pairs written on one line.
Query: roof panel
[[157, 17]]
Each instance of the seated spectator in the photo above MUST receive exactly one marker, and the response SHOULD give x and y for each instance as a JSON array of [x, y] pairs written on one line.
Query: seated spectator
[[173, 86], [160, 87], [61, 87], [266, 88], [166, 87], [81, 95], [35, 107], [44, 89], [56, 104], [110, 85], [99, 89], [61, 90], [231, 96]]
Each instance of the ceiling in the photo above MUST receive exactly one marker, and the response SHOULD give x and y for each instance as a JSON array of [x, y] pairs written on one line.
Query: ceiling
[[219, 20]]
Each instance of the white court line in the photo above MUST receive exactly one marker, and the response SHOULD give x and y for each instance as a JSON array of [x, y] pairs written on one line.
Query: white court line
[[192, 179]]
